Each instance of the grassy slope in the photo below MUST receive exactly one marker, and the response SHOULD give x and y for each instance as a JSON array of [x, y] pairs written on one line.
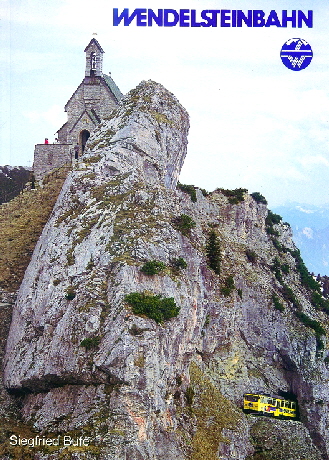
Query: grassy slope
[[21, 223]]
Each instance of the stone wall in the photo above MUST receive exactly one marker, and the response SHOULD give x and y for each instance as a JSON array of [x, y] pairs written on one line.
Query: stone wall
[[50, 156], [107, 102], [91, 95], [75, 106]]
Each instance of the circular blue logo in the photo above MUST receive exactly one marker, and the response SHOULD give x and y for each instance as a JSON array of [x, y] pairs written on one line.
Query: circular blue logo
[[296, 54]]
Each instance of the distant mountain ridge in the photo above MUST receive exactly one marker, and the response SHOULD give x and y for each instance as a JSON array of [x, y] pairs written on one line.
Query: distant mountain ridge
[[310, 226], [12, 181]]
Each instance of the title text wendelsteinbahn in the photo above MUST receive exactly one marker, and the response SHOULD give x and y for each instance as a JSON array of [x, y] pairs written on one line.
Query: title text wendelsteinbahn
[[144, 17]]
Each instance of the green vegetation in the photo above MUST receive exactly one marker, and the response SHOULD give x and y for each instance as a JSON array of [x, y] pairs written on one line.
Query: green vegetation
[[135, 330], [270, 231], [258, 198], [228, 287], [289, 296], [277, 272], [234, 196], [90, 342], [88, 224], [277, 304], [312, 323], [153, 306], [70, 293], [189, 394], [184, 224], [179, 380], [140, 361], [204, 192], [207, 321], [251, 256], [75, 209], [107, 193], [161, 118], [178, 264], [309, 282], [319, 343], [276, 269], [306, 278], [212, 414], [285, 268], [213, 252], [275, 441], [271, 220], [278, 246], [88, 176], [153, 267], [21, 223], [70, 256], [319, 302], [189, 189], [92, 159]]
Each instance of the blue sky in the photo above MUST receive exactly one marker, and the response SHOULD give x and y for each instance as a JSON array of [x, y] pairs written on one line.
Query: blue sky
[[254, 123]]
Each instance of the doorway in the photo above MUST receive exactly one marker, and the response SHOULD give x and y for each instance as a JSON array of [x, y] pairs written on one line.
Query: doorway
[[83, 137]]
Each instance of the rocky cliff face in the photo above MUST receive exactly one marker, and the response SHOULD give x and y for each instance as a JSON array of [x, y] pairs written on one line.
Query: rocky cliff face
[[84, 364]]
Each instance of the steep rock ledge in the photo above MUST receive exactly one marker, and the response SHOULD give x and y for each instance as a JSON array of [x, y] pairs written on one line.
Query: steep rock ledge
[[142, 390]]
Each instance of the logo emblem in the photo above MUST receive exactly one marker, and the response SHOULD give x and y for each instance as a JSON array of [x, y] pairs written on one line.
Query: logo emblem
[[296, 54]]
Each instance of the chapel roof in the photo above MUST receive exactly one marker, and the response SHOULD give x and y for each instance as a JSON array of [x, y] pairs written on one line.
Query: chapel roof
[[93, 40], [113, 87]]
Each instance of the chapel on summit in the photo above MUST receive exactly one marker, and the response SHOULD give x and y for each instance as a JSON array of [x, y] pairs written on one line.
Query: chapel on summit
[[96, 96]]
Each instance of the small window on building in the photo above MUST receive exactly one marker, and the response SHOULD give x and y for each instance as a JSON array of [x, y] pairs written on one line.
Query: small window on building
[[93, 61]]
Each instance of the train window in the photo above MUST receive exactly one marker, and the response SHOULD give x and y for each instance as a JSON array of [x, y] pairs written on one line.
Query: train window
[[251, 398], [293, 405], [282, 403], [287, 404]]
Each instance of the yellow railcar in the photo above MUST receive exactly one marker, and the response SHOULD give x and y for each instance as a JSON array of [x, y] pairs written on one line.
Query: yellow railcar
[[273, 406]]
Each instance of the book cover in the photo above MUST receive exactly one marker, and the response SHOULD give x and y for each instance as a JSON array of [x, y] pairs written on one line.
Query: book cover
[[144, 317]]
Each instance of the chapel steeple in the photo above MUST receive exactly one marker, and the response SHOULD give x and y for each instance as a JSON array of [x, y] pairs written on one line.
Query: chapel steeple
[[94, 59], [93, 100]]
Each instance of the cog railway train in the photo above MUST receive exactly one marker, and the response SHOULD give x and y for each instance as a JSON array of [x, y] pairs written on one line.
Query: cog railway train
[[273, 406]]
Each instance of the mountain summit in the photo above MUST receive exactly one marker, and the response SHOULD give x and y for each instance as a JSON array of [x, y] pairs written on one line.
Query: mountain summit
[[148, 311]]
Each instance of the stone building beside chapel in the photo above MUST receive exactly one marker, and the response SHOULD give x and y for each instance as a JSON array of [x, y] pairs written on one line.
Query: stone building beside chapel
[[96, 96]]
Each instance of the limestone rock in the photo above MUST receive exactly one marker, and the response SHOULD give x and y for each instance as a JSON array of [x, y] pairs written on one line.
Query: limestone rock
[[172, 390]]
